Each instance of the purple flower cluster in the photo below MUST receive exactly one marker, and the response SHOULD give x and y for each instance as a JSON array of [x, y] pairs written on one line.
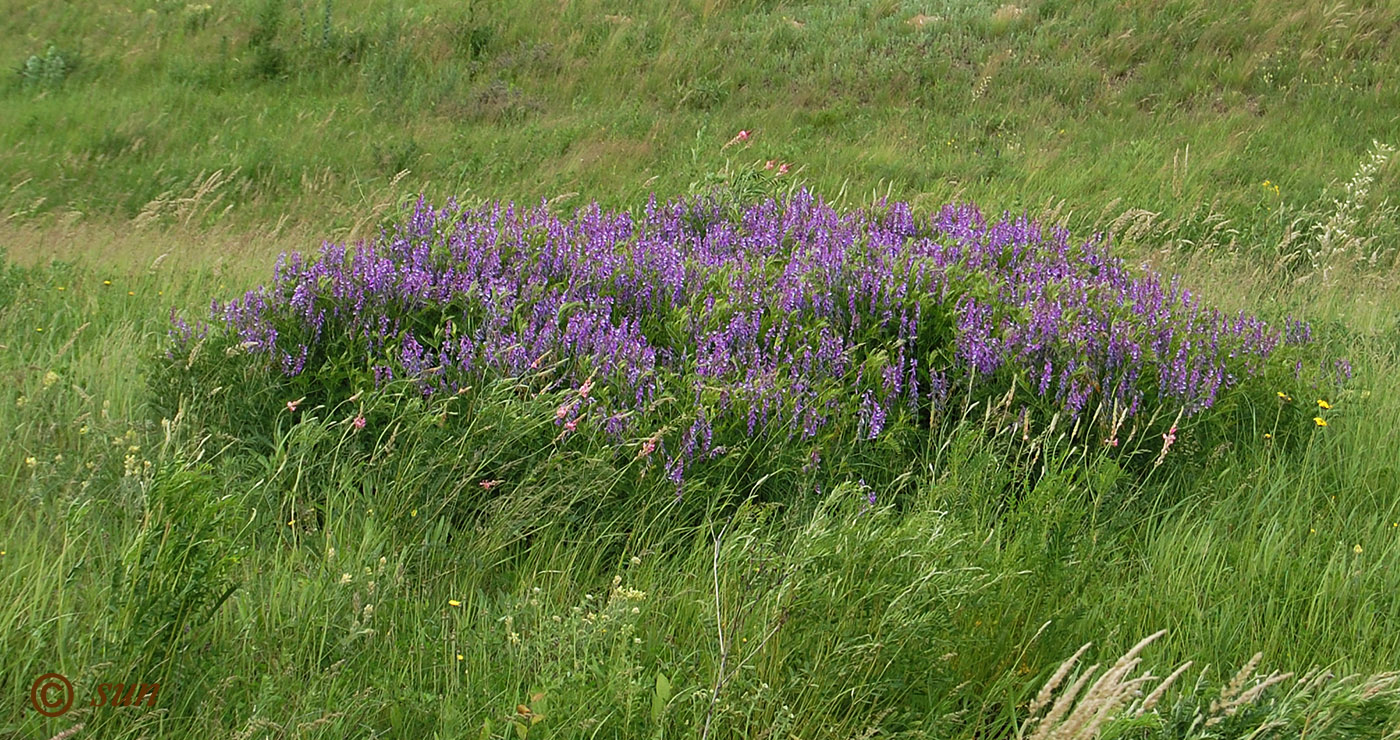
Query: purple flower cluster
[[784, 315]]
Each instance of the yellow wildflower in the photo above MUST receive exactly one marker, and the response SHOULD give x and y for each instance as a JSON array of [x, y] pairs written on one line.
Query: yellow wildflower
[[1323, 404], [453, 602], [1318, 420], [1357, 549]]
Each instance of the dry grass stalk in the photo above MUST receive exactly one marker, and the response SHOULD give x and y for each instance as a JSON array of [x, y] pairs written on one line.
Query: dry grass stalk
[[1101, 702], [70, 732]]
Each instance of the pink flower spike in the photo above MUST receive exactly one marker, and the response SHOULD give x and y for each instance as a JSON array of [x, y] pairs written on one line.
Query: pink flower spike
[[489, 484], [571, 425], [742, 136], [783, 168], [359, 422], [584, 389], [770, 164], [562, 411], [292, 405]]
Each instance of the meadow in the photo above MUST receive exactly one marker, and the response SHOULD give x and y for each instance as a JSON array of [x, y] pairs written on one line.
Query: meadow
[[701, 369]]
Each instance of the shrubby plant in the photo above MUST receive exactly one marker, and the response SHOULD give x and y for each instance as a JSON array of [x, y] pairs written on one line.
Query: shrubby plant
[[697, 325]]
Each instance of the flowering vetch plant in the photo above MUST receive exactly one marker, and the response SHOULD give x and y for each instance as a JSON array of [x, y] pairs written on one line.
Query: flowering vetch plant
[[786, 315]]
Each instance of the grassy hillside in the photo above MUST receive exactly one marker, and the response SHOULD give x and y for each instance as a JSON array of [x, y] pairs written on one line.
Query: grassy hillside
[[324, 556], [308, 111]]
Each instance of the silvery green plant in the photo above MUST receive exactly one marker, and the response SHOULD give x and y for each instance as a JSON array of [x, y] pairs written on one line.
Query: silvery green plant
[[47, 71]]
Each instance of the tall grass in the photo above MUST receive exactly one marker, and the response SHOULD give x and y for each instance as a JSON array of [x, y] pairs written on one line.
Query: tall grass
[[444, 571], [376, 593]]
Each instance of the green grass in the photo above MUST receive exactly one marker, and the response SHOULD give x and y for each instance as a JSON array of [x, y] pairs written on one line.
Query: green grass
[[309, 110], [807, 617], [941, 617]]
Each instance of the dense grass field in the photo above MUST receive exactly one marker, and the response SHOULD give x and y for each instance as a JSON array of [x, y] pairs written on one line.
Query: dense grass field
[[527, 551]]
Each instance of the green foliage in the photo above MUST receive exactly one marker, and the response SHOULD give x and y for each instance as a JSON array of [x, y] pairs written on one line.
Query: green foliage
[[48, 71], [176, 571], [375, 572], [374, 556]]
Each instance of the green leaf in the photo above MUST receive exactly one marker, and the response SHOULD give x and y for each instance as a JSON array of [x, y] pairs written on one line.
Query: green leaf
[[661, 698]]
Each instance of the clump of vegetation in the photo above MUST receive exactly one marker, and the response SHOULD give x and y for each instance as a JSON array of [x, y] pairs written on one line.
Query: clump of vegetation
[[47, 71], [697, 325]]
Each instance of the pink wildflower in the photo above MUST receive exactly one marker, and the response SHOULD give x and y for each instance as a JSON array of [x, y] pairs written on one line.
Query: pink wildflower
[[770, 164], [359, 422], [584, 389], [783, 168], [571, 425], [489, 484], [741, 137], [292, 405], [1167, 440]]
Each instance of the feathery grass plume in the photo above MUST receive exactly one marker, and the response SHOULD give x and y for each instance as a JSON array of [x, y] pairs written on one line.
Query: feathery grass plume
[[70, 732], [1048, 690], [1049, 726], [1316, 705], [1156, 696], [1099, 704], [1109, 693], [1237, 683]]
